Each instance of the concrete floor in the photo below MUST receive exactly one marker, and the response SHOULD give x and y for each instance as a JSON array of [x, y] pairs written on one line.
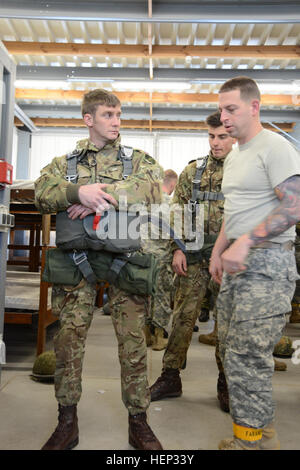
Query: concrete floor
[[194, 421]]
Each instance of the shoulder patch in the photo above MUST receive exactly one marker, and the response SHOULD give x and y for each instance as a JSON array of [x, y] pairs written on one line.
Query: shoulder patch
[[141, 153], [149, 159]]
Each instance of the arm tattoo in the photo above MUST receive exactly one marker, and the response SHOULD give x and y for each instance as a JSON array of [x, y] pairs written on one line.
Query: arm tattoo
[[284, 216]]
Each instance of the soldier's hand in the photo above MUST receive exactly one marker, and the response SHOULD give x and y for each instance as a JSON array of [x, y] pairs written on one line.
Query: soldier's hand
[[78, 210], [94, 197], [216, 268], [179, 263], [234, 257]]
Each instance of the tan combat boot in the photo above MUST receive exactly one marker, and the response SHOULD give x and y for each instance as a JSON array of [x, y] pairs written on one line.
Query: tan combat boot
[[269, 439], [244, 439], [279, 365], [211, 338], [141, 436], [295, 315], [168, 385], [160, 342], [237, 444], [66, 434]]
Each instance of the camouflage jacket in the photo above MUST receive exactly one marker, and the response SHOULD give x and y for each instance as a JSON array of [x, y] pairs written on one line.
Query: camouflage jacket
[[211, 181], [154, 239], [53, 193]]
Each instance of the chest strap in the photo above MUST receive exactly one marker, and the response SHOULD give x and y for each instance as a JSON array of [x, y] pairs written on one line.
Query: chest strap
[[124, 155], [201, 164]]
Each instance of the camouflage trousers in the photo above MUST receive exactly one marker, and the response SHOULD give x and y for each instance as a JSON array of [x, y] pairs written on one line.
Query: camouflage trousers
[[75, 307], [251, 309], [296, 298], [189, 294], [159, 309]]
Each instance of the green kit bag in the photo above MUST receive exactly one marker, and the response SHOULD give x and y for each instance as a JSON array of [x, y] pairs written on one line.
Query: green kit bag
[[135, 273]]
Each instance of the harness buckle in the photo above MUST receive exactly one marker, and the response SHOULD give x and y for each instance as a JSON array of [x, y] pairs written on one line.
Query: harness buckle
[[79, 257], [71, 178]]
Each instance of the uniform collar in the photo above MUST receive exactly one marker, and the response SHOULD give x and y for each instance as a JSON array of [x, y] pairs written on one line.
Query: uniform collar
[[87, 144], [217, 161]]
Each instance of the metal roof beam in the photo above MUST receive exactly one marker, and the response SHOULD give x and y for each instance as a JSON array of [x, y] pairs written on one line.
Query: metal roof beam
[[163, 11], [136, 112], [22, 115], [28, 72]]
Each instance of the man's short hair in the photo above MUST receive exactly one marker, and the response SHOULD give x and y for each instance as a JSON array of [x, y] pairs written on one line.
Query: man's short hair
[[214, 120], [95, 98], [247, 86], [170, 175]]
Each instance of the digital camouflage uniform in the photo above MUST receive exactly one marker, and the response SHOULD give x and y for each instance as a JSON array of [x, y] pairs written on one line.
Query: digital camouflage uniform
[[254, 300], [296, 298], [158, 243], [74, 305], [191, 289]]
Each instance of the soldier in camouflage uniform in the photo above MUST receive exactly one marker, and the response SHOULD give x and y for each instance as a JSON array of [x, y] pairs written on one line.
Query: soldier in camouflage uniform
[[295, 315], [253, 259], [158, 243], [100, 183], [192, 270]]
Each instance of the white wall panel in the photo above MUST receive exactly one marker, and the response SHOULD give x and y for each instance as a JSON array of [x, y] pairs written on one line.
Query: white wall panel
[[175, 152], [45, 147]]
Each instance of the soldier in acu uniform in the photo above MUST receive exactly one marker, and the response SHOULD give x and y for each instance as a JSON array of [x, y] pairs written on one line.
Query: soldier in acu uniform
[[100, 183], [192, 268], [295, 315], [253, 260]]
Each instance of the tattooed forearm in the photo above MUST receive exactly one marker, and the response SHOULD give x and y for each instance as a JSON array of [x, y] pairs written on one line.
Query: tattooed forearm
[[284, 216]]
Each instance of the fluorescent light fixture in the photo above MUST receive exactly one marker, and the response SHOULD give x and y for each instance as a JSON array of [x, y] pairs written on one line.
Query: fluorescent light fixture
[[149, 85], [89, 79], [287, 88], [43, 84], [209, 81]]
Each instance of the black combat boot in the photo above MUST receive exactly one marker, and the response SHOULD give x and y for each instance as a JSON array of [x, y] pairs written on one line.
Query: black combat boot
[[204, 315], [223, 395], [65, 436], [141, 436], [168, 385]]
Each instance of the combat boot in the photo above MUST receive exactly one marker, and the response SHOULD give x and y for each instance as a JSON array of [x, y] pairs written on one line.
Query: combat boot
[[204, 315], [222, 390], [168, 385], [160, 342], [237, 444], [244, 438], [279, 365], [211, 338], [66, 434], [295, 315], [269, 440], [141, 436]]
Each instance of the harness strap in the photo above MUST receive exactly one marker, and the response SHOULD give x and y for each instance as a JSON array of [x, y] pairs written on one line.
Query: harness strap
[[80, 259], [114, 270], [200, 167], [209, 196], [125, 155]]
